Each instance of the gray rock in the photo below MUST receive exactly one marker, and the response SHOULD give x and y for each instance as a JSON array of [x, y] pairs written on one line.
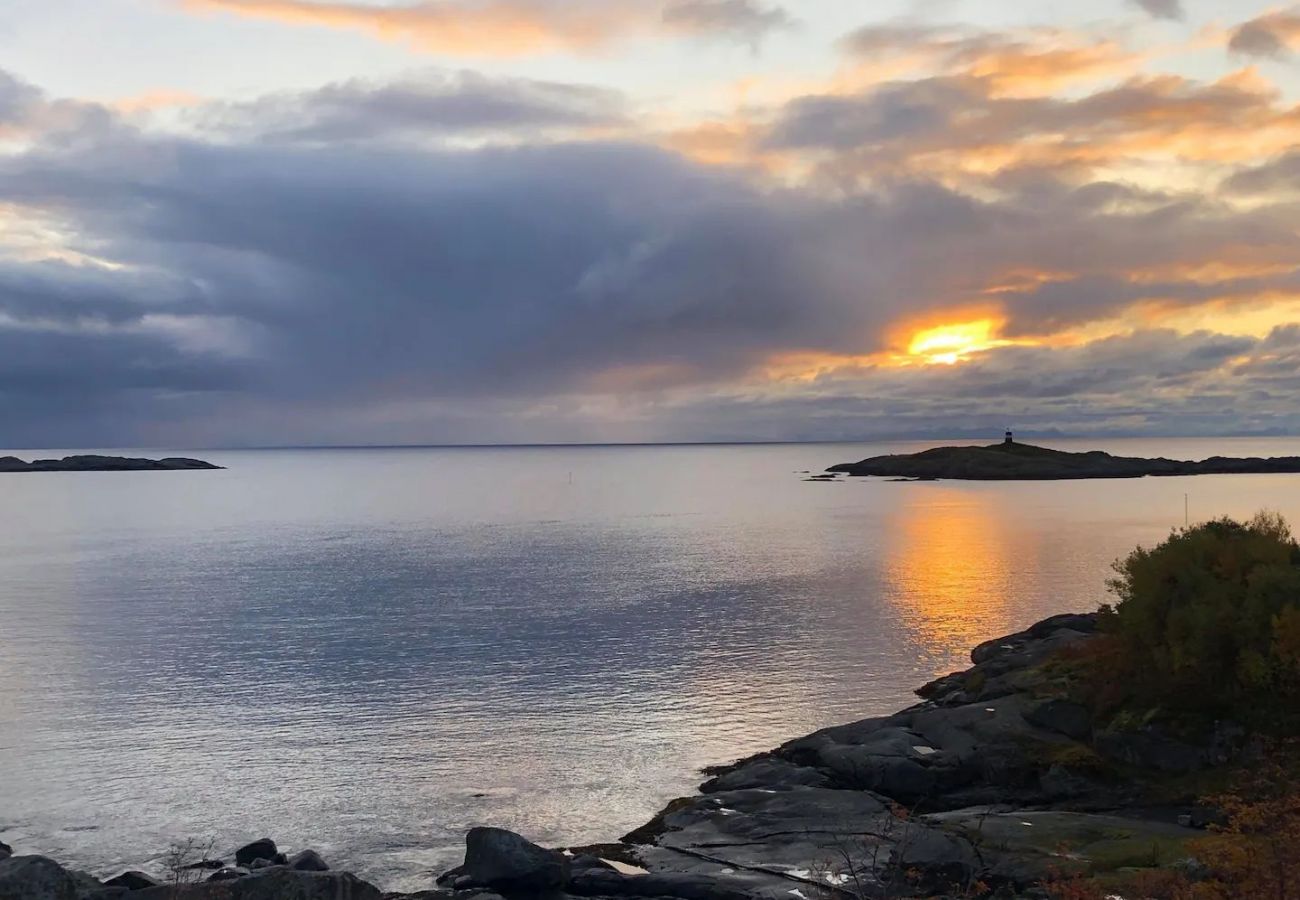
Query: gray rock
[[307, 861], [133, 881], [773, 840], [5, 851], [934, 861], [771, 772], [279, 883], [603, 883], [263, 848], [504, 861], [587, 861], [261, 864], [36, 878], [229, 873], [1084, 623], [897, 777], [89, 886], [1062, 716]]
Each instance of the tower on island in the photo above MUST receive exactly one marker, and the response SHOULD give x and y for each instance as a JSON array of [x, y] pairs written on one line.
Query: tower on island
[[1009, 439]]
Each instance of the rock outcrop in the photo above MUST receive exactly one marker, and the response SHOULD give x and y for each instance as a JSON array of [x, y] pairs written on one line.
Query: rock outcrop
[[132, 881], [982, 782], [1025, 462], [273, 883], [102, 464], [41, 878]]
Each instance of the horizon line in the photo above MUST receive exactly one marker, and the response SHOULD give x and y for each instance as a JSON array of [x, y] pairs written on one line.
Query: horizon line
[[527, 445]]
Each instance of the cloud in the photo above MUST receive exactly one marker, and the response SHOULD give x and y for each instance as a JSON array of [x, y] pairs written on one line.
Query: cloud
[[300, 269], [433, 105], [515, 27], [1277, 176], [1163, 9], [960, 126], [1151, 381], [1031, 61], [1272, 35], [744, 18]]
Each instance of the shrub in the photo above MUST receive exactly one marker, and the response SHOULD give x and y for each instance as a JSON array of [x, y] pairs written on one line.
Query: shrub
[[1255, 854], [1209, 620]]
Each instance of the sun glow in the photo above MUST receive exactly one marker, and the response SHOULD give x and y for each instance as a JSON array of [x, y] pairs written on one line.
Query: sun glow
[[950, 344]]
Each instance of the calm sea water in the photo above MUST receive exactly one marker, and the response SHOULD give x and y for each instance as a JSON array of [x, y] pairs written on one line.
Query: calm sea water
[[369, 651]]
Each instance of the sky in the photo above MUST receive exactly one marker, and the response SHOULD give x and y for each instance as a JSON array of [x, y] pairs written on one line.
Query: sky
[[289, 222]]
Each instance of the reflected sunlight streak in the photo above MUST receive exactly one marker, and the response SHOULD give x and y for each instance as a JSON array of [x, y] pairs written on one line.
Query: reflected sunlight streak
[[952, 568]]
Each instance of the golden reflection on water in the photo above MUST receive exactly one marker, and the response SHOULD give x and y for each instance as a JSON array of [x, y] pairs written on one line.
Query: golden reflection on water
[[951, 566]]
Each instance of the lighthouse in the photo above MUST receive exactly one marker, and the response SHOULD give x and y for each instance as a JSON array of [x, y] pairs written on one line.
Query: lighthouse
[[1009, 439]]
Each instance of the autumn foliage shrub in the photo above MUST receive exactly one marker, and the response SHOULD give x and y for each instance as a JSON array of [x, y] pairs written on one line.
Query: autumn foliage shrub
[[1209, 621]]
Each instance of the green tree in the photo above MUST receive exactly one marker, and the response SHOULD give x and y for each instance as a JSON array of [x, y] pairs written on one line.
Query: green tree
[[1211, 617]]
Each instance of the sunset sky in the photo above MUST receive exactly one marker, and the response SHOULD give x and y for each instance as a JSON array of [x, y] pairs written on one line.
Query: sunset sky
[[257, 222]]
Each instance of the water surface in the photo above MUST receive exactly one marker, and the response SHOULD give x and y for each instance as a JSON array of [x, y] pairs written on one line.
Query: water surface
[[368, 651]]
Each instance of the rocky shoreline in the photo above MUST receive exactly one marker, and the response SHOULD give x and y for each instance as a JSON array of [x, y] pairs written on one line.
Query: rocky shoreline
[[993, 784]]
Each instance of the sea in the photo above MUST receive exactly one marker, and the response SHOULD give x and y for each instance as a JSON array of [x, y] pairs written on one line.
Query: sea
[[368, 651]]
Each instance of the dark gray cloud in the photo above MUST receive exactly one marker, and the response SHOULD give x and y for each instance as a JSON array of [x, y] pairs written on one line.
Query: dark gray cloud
[[895, 112], [17, 100], [432, 106], [1270, 35], [1279, 175], [1163, 9]]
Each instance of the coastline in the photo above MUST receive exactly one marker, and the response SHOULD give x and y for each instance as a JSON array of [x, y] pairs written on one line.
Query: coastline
[[981, 782]]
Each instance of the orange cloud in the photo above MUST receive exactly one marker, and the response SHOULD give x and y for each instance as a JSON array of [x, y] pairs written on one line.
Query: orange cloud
[[1025, 68], [1161, 130], [950, 344], [1027, 62], [155, 100], [491, 28], [506, 28]]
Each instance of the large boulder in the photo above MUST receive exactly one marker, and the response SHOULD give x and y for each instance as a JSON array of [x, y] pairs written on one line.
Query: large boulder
[[228, 873], [263, 848], [504, 861], [36, 878], [280, 883], [768, 772], [133, 881], [307, 861]]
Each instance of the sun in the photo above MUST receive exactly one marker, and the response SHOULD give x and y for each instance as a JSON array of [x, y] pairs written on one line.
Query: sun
[[950, 344]]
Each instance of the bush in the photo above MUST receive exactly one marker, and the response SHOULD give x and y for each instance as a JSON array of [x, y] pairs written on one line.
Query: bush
[[1209, 620]]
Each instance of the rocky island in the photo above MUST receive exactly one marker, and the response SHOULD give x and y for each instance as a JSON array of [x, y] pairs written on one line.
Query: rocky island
[[1014, 461], [102, 464]]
